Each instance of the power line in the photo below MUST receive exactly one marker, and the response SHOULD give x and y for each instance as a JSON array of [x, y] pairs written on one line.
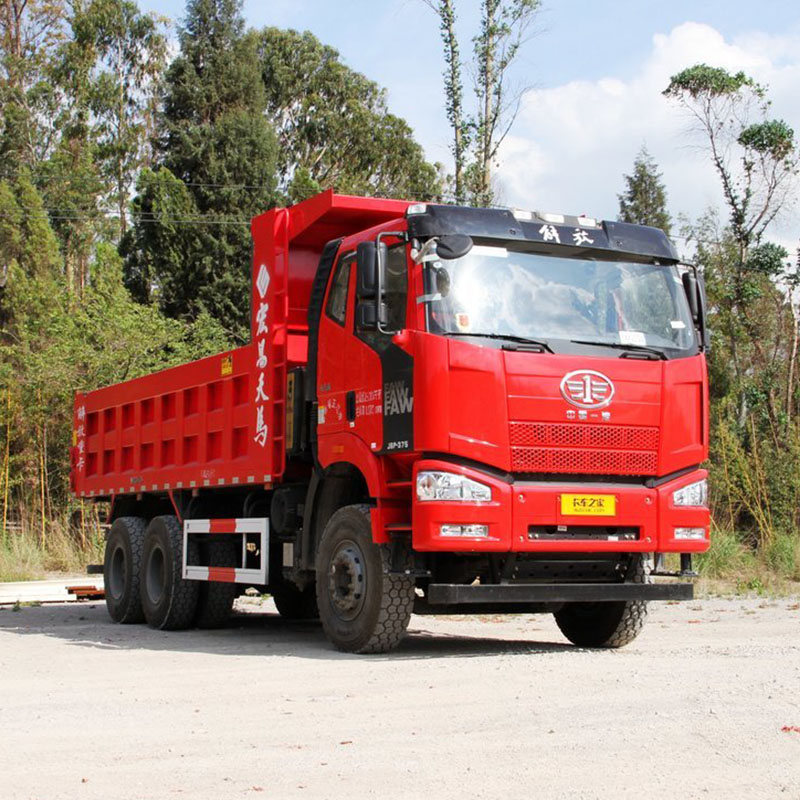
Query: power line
[[143, 218]]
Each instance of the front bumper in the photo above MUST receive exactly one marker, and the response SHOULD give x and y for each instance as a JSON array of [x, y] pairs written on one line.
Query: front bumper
[[519, 512]]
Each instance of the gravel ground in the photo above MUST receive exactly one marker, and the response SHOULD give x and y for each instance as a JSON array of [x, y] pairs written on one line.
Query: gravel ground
[[705, 703]]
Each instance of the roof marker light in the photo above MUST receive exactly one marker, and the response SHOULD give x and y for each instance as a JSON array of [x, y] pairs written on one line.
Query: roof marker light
[[417, 208], [587, 222], [556, 219], [522, 216]]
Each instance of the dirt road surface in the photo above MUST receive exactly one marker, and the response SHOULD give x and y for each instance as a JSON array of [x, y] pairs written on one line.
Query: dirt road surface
[[704, 704]]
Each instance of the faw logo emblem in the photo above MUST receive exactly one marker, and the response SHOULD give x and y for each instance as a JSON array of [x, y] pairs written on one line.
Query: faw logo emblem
[[586, 388]]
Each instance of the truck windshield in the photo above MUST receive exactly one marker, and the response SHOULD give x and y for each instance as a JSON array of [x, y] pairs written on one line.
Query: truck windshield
[[502, 292]]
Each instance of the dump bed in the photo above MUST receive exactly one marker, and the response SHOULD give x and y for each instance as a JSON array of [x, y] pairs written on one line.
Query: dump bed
[[221, 421]]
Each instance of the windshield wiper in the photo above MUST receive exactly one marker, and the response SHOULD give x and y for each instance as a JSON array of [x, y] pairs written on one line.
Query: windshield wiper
[[541, 346], [631, 348]]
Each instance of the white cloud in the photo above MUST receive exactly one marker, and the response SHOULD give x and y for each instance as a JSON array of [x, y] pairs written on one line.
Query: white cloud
[[571, 144]]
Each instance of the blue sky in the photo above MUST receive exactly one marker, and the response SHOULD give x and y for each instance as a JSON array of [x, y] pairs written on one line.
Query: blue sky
[[593, 73]]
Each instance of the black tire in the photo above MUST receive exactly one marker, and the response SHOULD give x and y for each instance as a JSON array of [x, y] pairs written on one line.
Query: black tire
[[363, 608], [215, 600], [169, 602], [606, 624], [121, 567], [294, 603]]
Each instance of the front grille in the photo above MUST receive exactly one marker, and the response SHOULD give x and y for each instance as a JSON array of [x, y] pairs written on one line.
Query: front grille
[[583, 449]]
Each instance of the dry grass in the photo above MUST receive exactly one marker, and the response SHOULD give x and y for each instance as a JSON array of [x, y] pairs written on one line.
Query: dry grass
[[24, 558], [731, 567]]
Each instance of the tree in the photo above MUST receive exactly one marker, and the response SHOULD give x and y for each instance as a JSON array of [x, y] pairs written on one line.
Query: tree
[[644, 201], [751, 300], [214, 139], [118, 53], [504, 28], [53, 343], [30, 31], [755, 160], [333, 126], [453, 92]]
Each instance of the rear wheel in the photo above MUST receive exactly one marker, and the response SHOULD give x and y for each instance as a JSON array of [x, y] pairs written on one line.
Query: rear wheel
[[121, 568], [607, 624], [363, 607], [214, 599], [294, 603], [169, 602]]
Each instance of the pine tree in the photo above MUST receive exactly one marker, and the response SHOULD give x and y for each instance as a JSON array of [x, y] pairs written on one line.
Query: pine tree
[[644, 200], [220, 149]]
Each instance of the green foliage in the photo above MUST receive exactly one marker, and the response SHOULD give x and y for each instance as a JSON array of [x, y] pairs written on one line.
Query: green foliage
[[216, 71], [54, 343], [772, 138], [333, 126], [754, 314], [644, 201], [159, 246], [768, 258], [454, 93], [190, 243], [756, 161], [116, 55], [30, 33], [302, 186], [701, 80]]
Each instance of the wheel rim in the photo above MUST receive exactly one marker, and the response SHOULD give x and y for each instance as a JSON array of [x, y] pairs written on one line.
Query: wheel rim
[[347, 580], [116, 573], [156, 575]]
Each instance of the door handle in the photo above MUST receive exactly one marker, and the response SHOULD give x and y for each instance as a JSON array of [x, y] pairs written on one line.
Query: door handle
[[350, 403]]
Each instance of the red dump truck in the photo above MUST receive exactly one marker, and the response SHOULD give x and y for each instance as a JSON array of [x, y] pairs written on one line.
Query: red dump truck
[[442, 410]]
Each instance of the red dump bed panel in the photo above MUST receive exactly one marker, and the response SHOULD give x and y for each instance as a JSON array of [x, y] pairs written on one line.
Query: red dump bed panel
[[186, 427], [220, 421]]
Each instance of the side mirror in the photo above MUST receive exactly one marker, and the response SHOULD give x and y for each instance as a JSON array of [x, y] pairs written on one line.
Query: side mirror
[[370, 258], [455, 245], [692, 290], [369, 313], [367, 269]]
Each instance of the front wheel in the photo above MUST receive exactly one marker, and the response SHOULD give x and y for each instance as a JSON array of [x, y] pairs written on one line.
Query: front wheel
[[613, 624], [363, 607]]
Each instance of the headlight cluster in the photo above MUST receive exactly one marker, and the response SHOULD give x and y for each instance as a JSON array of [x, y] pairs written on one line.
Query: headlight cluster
[[695, 494], [449, 486]]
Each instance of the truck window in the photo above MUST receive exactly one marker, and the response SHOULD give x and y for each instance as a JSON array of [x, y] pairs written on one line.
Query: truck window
[[396, 287], [336, 307]]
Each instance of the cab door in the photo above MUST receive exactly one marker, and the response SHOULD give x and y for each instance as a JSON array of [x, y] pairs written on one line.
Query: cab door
[[335, 348], [380, 377]]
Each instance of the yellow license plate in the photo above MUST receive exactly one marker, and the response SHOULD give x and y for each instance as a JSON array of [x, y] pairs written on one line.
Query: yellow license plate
[[589, 505]]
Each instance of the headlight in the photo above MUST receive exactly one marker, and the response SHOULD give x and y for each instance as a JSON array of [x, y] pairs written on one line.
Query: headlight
[[449, 486], [695, 494]]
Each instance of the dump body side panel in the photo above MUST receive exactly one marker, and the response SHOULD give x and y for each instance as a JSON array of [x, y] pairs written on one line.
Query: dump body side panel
[[186, 427]]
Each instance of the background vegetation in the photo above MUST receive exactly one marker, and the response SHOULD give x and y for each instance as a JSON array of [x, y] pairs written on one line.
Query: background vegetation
[[129, 174]]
